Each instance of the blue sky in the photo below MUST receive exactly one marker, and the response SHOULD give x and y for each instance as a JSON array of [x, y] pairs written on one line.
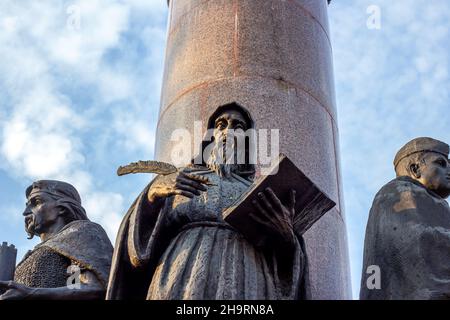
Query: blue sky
[[79, 97]]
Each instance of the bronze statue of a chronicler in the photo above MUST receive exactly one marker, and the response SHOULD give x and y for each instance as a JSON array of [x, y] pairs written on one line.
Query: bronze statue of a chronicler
[[407, 244], [174, 243], [72, 261]]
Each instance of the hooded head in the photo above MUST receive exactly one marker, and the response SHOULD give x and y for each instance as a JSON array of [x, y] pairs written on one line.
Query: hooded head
[[228, 145]]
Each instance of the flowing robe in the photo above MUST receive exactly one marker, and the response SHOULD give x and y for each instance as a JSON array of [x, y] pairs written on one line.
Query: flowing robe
[[187, 251], [408, 238]]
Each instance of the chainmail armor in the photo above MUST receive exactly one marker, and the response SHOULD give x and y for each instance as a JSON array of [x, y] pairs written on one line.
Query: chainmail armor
[[43, 268]]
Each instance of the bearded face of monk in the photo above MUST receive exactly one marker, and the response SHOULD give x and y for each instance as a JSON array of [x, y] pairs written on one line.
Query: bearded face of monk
[[224, 155]]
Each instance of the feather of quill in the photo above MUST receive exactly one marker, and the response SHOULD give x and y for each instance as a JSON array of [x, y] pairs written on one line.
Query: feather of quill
[[157, 167], [150, 166]]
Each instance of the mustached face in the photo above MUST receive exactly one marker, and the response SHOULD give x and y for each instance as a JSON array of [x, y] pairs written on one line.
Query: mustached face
[[229, 130], [40, 214], [225, 155], [434, 173]]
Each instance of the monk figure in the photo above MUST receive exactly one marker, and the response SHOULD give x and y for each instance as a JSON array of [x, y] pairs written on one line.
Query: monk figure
[[174, 244]]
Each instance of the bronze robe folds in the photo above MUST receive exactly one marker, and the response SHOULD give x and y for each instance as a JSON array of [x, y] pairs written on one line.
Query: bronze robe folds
[[187, 251], [408, 237]]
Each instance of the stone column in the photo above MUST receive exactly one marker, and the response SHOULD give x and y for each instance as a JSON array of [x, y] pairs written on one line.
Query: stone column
[[8, 254], [273, 57]]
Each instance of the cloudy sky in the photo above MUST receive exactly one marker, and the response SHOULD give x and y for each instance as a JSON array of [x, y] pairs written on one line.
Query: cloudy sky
[[80, 80]]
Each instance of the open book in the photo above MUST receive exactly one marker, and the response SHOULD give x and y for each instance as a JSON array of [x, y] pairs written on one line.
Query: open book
[[311, 203]]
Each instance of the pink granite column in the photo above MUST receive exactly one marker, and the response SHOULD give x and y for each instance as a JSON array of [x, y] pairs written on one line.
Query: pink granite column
[[273, 57]]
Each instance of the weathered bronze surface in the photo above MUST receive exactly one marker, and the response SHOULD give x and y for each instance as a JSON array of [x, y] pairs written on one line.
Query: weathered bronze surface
[[174, 244], [408, 232], [74, 256]]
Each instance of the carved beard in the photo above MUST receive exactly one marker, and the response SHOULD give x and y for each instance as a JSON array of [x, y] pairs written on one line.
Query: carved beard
[[222, 160]]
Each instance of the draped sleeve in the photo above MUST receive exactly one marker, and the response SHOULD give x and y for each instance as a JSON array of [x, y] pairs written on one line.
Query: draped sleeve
[[141, 240]]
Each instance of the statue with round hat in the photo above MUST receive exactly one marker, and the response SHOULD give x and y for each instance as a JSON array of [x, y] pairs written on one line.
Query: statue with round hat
[[407, 243]]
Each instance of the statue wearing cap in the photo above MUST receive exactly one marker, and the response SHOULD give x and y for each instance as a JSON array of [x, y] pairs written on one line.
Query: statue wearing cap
[[407, 244], [74, 257]]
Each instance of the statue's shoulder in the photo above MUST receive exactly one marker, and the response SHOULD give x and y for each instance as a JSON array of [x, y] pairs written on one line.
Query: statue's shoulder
[[398, 185], [78, 236], [83, 227], [403, 193], [391, 192]]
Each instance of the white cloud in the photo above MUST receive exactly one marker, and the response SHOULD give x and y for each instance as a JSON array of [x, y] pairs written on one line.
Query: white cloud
[[392, 85], [100, 26], [114, 86], [47, 117], [37, 138], [134, 133], [106, 209], [9, 24]]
